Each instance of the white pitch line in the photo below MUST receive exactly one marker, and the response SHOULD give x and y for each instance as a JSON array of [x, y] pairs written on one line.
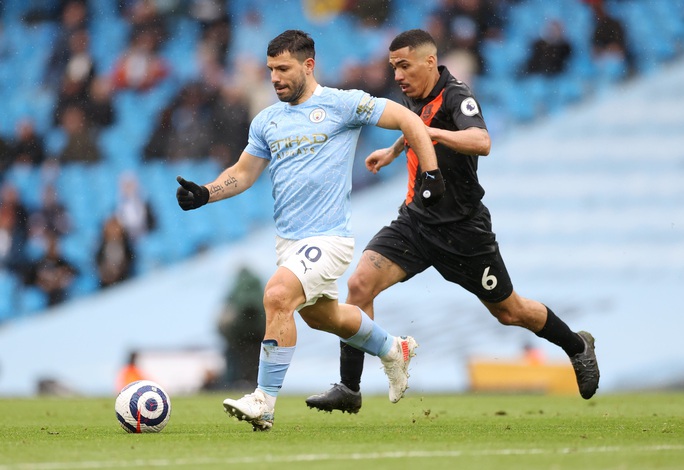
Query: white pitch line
[[327, 457]]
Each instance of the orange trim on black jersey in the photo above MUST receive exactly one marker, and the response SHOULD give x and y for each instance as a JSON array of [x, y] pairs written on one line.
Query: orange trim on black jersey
[[426, 114]]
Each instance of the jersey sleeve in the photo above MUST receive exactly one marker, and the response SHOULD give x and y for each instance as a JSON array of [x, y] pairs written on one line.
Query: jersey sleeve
[[363, 108], [256, 143], [465, 110]]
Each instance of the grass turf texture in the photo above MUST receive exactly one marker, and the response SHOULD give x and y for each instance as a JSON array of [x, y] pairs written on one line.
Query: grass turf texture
[[631, 431]]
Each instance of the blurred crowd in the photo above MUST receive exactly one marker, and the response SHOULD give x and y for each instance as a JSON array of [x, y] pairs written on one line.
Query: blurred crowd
[[208, 115]]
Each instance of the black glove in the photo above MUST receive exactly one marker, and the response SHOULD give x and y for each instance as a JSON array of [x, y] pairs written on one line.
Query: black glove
[[191, 195], [432, 189]]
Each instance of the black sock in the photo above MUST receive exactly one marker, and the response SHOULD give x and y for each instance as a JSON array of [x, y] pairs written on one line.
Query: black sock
[[556, 331], [351, 366]]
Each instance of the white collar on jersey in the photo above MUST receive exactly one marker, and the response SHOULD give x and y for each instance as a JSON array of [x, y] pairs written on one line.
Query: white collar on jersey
[[318, 90]]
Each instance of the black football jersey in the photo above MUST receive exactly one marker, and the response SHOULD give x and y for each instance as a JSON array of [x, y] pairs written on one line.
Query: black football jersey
[[451, 106]]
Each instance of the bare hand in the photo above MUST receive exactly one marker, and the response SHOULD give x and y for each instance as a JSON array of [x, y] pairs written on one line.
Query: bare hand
[[378, 159]]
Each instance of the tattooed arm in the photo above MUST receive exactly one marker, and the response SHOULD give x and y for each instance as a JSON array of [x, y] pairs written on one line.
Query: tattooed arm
[[237, 178]]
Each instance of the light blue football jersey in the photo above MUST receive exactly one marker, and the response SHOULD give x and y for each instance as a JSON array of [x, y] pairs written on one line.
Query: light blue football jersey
[[311, 148]]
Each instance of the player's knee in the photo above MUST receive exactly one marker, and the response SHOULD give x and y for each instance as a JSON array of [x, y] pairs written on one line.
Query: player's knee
[[359, 292], [277, 299]]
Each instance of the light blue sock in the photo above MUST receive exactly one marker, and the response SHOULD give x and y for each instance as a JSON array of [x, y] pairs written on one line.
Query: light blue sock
[[274, 361], [370, 338]]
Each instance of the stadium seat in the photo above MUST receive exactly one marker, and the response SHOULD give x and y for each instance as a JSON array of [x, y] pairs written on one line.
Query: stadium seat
[[31, 300], [8, 291]]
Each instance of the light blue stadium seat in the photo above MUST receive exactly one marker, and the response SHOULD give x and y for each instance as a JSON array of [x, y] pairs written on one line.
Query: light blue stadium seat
[[27, 179], [86, 283], [108, 40], [151, 253], [8, 291], [31, 300], [79, 249]]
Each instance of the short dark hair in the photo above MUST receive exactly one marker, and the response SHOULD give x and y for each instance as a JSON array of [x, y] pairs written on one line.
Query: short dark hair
[[412, 39], [296, 42]]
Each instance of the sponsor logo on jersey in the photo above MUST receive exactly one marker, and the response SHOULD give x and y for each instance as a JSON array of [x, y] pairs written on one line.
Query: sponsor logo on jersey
[[469, 107], [296, 145]]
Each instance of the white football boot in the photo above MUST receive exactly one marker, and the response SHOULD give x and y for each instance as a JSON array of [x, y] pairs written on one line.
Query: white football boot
[[251, 408], [396, 363]]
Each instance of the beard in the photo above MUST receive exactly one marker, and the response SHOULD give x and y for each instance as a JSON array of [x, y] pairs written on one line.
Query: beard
[[298, 88]]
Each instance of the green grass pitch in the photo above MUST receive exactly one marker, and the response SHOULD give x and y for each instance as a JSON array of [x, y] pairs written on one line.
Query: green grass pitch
[[463, 431]]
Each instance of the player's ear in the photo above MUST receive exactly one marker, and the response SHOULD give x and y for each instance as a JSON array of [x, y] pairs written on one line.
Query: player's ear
[[309, 64], [431, 60]]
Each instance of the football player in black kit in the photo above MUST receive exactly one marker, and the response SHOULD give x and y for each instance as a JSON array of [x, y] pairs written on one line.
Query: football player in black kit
[[455, 235]]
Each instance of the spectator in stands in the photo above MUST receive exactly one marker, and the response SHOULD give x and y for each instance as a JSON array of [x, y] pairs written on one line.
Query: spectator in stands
[[99, 108], [81, 145], [242, 324], [470, 23], [157, 147], [550, 52], [487, 16], [377, 78], [212, 71], [74, 17], [6, 156], [10, 200], [463, 55], [219, 34], [205, 12], [51, 218], [190, 134], [148, 16], [438, 29], [72, 92], [229, 124], [609, 44], [53, 274], [115, 254], [371, 13], [252, 78], [212, 52], [12, 243], [133, 211], [80, 66], [28, 147], [140, 67]]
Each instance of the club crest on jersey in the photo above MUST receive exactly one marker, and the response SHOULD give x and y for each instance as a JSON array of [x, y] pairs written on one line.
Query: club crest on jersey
[[469, 107], [317, 115]]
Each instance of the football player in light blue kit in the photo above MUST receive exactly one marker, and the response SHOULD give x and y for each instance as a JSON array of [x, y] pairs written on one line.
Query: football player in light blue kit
[[308, 142]]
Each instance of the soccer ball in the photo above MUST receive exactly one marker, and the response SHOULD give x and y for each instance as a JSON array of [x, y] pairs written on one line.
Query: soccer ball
[[143, 406]]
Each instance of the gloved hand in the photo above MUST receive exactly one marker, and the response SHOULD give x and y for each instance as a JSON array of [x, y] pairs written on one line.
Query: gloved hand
[[191, 195], [432, 189]]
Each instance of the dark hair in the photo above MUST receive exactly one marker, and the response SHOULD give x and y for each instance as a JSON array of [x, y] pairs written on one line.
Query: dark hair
[[296, 42], [412, 39]]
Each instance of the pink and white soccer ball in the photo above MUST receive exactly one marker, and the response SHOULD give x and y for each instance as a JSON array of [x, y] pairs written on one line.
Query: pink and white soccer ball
[[143, 406]]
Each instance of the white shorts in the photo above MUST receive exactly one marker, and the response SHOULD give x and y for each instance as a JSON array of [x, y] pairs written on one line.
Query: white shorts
[[317, 262]]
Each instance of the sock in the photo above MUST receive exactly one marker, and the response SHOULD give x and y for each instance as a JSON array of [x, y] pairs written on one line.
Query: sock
[[351, 366], [273, 364], [371, 338], [556, 331]]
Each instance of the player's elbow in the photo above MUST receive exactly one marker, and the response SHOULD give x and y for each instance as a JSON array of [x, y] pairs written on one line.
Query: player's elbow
[[485, 144]]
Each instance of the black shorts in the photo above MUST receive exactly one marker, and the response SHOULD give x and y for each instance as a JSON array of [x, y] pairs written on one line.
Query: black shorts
[[464, 252]]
